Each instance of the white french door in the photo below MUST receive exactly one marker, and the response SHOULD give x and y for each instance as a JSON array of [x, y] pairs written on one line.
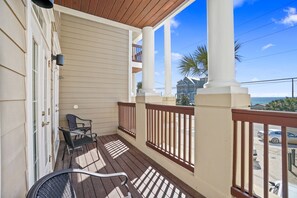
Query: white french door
[[41, 102], [55, 98]]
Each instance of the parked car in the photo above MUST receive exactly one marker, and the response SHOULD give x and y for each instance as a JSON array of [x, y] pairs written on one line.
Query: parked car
[[274, 136], [260, 134], [276, 188]]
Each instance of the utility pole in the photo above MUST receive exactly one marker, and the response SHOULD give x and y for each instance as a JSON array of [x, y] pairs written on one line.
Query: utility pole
[[292, 87]]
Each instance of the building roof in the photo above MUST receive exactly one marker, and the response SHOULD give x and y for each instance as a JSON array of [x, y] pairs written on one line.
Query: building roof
[[191, 80]]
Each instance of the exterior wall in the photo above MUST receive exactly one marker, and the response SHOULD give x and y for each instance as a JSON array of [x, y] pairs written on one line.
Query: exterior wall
[[12, 98], [95, 73]]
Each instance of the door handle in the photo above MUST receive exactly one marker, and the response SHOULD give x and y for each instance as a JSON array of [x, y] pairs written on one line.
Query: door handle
[[45, 123]]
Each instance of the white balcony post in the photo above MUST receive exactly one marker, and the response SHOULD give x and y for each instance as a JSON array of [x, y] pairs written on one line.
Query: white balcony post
[[133, 84], [148, 60], [167, 58], [214, 103], [220, 41]]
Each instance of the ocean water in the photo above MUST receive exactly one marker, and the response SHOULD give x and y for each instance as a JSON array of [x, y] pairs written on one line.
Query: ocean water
[[264, 100]]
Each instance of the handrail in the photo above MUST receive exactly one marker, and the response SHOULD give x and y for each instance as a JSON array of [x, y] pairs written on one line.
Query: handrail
[[170, 132], [127, 118], [243, 121]]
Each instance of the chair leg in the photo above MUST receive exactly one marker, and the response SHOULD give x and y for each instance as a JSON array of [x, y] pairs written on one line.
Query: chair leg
[[64, 152], [70, 164]]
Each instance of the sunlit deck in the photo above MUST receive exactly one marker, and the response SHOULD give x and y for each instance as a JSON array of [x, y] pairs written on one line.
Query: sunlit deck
[[147, 178]]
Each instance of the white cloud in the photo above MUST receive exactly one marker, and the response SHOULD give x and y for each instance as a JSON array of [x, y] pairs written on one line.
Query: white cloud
[[176, 56], [255, 79], [291, 18], [156, 51], [174, 23], [265, 47], [157, 73], [238, 3]]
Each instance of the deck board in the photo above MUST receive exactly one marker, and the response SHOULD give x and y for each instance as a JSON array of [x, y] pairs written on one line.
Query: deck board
[[147, 178]]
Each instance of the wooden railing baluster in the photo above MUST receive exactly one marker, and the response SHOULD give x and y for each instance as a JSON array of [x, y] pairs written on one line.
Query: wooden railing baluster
[[172, 125], [127, 118], [267, 118]]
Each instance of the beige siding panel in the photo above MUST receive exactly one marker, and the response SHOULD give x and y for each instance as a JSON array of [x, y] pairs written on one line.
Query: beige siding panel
[[95, 73], [92, 75], [13, 115], [19, 10], [90, 41], [11, 26], [95, 69], [7, 48], [82, 61], [69, 31], [100, 29], [87, 51], [67, 18], [12, 98], [14, 163], [12, 85], [90, 46], [86, 30]]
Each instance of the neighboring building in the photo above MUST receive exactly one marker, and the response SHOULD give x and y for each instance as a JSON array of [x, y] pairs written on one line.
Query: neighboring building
[[188, 86]]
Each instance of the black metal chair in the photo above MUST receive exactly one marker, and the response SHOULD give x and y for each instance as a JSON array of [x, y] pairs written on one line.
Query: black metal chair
[[76, 123], [80, 141], [58, 184]]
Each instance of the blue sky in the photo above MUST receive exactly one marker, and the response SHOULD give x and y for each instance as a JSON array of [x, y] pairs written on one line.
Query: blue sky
[[267, 30]]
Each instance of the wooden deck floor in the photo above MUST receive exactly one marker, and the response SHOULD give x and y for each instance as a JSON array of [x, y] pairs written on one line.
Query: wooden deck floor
[[147, 178]]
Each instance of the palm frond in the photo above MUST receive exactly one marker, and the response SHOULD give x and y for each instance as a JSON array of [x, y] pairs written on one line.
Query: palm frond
[[187, 63], [196, 64]]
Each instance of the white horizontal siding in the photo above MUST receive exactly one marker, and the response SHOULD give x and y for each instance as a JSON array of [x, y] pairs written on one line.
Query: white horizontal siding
[[95, 73], [12, 99]]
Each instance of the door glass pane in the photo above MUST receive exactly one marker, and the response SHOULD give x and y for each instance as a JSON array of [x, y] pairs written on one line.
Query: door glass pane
[[34, 108], [46, 113]]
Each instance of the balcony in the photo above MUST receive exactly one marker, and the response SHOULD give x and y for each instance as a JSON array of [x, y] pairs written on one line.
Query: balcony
[[147, 178], [136, 58], [171, 133], [136, 53]]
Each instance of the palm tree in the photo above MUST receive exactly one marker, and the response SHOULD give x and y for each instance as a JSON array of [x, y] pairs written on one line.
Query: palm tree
[[196, 64]]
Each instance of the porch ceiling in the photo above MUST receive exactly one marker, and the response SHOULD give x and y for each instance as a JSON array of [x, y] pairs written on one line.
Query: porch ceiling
[[137, 13]]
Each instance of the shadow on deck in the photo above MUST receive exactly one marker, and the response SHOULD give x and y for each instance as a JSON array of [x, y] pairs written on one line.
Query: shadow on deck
[[147, 178]]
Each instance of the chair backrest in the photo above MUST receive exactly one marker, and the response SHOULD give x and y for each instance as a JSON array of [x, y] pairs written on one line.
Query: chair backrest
[[67, 137], [59, 183], [56, 184], [71, 119]]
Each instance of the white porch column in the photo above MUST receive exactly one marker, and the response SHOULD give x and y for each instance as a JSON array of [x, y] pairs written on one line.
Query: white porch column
[[134, 84], [167, 58], [214, 104], [220, 40], [148, 60]]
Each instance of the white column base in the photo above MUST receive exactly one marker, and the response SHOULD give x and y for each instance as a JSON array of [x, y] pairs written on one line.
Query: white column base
[[214, 141], [223, 90], [148, 93]]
